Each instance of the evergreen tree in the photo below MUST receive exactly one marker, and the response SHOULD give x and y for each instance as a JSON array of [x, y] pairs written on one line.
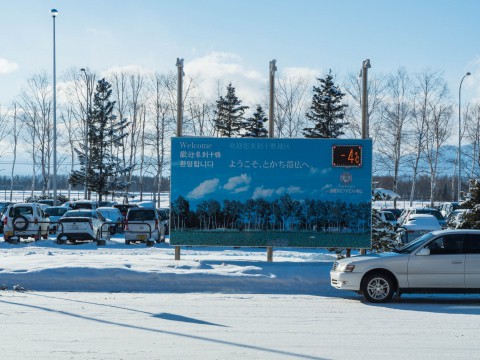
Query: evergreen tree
[[229, 114], [254, 126], [471, 218], [105, 134], [327, 112], [384, 237]]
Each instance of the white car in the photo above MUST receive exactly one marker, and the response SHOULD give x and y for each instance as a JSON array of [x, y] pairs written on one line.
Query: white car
[[82, 225], [25, 220], [444, 261], [142, 225], [416, 225], [389, 217]]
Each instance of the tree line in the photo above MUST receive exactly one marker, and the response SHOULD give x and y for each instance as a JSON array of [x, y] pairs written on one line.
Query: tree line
[[282, 214], [411, 119]]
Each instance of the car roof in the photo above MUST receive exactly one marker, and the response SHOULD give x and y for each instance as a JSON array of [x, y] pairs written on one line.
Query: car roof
[[456, 231], [421, 216]]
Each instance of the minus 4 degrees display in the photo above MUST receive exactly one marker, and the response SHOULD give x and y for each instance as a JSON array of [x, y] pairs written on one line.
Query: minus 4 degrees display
[[347, 155]]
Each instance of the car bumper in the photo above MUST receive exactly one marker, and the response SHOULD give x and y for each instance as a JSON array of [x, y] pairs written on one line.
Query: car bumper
[[345, 280], [139, 236], [76, 236]]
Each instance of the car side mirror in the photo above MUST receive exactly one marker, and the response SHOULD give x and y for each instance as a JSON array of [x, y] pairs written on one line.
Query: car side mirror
[[423, 252]]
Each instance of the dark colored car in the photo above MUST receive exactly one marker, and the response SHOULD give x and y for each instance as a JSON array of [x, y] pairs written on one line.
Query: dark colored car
[[394, 211], [164, 215]]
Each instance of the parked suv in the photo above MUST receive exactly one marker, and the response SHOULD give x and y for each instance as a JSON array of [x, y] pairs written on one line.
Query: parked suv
[[25, 220], [443, 261], [141, 224]]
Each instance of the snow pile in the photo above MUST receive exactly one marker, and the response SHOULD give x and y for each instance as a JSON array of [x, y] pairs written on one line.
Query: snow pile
[[46, 266]]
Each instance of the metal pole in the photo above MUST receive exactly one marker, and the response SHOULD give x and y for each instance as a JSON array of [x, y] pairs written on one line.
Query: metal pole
[[179, 117], [271, 105], [179, 96], [54, 13], [87, 112], [365, 125], [459, 184], [271, 123]]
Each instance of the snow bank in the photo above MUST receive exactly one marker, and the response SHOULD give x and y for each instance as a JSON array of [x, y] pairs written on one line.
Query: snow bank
[[46, 266]]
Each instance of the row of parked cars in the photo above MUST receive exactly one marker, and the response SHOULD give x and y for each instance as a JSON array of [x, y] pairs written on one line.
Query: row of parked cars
[[85, 220], [413, 222]]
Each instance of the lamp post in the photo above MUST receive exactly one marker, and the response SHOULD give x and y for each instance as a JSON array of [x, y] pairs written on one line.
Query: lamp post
[[459, 184], [54, 13], [87, 111]]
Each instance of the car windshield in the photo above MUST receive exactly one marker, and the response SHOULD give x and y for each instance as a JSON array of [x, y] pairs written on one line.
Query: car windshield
[[141, 215], [414, 245], [78, 214]]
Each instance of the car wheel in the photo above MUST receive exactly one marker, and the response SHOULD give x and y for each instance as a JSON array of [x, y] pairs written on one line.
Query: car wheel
[[61, 241], [378, 288], [127, 242], [150, 243], [14, 240], [101, 242], [20, 223]]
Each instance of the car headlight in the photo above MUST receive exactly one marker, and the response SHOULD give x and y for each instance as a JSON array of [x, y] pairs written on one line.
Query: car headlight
[[345, 267]]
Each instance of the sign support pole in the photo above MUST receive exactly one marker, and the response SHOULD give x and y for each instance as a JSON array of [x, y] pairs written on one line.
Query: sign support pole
[[365, 125], [179, 117], [271, 122]]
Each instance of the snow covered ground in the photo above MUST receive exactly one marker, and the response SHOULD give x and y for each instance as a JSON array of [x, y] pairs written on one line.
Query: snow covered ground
[[134, 302]]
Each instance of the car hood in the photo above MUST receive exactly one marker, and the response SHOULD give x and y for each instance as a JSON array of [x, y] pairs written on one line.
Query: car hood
[[369, 257]]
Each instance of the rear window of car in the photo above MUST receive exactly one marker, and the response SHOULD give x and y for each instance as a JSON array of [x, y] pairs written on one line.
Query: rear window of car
[[82, 206], [435, 213], [141, 215], [389, 216], [78, 214], [56, 211], [21, 210]]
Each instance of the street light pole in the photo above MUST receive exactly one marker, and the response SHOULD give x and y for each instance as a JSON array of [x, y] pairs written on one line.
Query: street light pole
[[87, 81], [459, 184], [54, 13]]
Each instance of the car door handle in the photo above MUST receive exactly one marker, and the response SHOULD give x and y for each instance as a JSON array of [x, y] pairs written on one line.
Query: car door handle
[[456, 261]]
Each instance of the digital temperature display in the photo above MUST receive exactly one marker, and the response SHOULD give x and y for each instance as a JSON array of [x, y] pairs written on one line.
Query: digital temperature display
[[347, 155]]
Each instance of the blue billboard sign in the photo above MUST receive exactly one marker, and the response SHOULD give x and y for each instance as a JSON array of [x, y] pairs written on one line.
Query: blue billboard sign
[[271, 192]]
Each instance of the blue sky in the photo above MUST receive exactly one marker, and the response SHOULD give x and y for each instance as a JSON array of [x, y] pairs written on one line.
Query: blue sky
[[235, 40]]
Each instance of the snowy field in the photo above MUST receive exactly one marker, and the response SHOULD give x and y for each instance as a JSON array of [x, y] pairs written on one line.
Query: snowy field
[[134, 302]]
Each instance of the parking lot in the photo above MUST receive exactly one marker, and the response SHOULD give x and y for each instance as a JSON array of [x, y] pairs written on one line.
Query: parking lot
[[78, 325]]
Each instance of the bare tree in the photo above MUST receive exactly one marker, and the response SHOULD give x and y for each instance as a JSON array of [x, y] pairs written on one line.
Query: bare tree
[[15, 134], [36, 103], [162, 125], [376, 93], [395, 114], [68, 119], [438, 131], [430, 107], [472, 133], [291, 104]]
